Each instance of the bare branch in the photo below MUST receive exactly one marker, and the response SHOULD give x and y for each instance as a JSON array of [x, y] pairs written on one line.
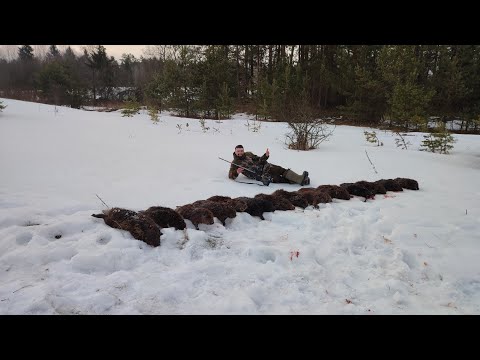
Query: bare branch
[[371, 162], [103, 201], [23, 287]]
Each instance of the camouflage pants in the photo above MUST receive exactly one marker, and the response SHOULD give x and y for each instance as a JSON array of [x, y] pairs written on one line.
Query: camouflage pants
[[276, 172]]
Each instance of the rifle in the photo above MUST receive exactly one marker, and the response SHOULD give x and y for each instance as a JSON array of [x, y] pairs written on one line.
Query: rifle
[[241, 167], [266, 180]]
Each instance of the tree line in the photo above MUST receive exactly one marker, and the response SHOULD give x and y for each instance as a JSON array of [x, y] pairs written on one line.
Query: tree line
[[394, 85]]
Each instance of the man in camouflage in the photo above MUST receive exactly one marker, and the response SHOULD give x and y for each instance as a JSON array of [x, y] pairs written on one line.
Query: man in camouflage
[[262, 170]]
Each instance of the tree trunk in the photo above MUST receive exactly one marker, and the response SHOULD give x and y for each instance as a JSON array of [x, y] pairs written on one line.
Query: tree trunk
[[252, 63], [326, 95], [258, 62], [94, 88], [320, 96], [237, 53], [245, 63], [186, 102], [270, 64]]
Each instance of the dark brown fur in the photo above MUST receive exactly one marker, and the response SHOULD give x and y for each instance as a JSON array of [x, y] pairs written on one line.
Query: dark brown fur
[[315, 197], [239, 205], [197, 215], [359, 190], [335, 191], [256, 207], [165, 217], [279, 203], [376, 188], [294, 197], [221, 210], [390, 184], [140, 226], [408, 183]]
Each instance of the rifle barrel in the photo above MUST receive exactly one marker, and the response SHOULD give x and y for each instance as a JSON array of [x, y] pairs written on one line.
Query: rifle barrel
[[253, 172]]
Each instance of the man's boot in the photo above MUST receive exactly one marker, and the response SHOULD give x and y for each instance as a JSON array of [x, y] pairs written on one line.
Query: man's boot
[[297, 179]]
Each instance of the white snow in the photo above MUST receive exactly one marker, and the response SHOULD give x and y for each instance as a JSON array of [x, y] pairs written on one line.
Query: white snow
[[413, 252]]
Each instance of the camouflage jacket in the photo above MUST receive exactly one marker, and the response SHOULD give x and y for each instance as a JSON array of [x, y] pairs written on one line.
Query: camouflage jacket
[[250, 161]]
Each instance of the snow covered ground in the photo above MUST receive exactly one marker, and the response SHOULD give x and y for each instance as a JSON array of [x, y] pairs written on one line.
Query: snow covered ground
[[414, 252]]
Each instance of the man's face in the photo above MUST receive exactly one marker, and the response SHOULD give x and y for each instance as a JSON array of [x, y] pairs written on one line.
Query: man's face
[[239, 151]]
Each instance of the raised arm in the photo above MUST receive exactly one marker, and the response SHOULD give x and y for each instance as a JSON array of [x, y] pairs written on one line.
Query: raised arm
[[265, 156]]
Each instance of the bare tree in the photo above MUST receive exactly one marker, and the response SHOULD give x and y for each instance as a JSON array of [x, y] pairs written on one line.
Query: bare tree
[[165, 52], [306, 131], [159, 51]]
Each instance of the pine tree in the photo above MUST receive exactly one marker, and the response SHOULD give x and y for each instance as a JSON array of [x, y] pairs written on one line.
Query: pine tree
[[153, 113], [160, 86], [2, 106], [132, 107], [128, 64], [368, 101], [69, 55], [263, 99], [408, 97], [55, 82], [449, 80], [25, 52], [53, 52], [215, 81], [183, 92], [224, 102], [408, 105], [101, 67], [371, 137], [440, 141]]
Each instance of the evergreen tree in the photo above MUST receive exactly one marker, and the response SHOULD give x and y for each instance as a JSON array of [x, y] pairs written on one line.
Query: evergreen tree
[[158, 89], [128, 64], [469, 62], [408, 100], [441, 142], [69, 55], [448, 79], [363, 89], [24, 72], [408, 105], [132, 107], [54, 81], [53, 52], [25, 53], [215, 80], [224, 102], [264, 99], [371, 137], [184, 91], [101, 68]]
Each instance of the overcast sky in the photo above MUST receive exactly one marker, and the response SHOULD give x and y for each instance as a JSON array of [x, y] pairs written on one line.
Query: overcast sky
[[118, 50], [10, 52]]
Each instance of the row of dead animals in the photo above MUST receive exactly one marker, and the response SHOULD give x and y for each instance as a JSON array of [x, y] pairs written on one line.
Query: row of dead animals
[[146, 225]]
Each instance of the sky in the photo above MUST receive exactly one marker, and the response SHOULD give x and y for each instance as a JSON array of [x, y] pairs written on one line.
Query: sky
[[118, 50], [410, 252], [10, 51]]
